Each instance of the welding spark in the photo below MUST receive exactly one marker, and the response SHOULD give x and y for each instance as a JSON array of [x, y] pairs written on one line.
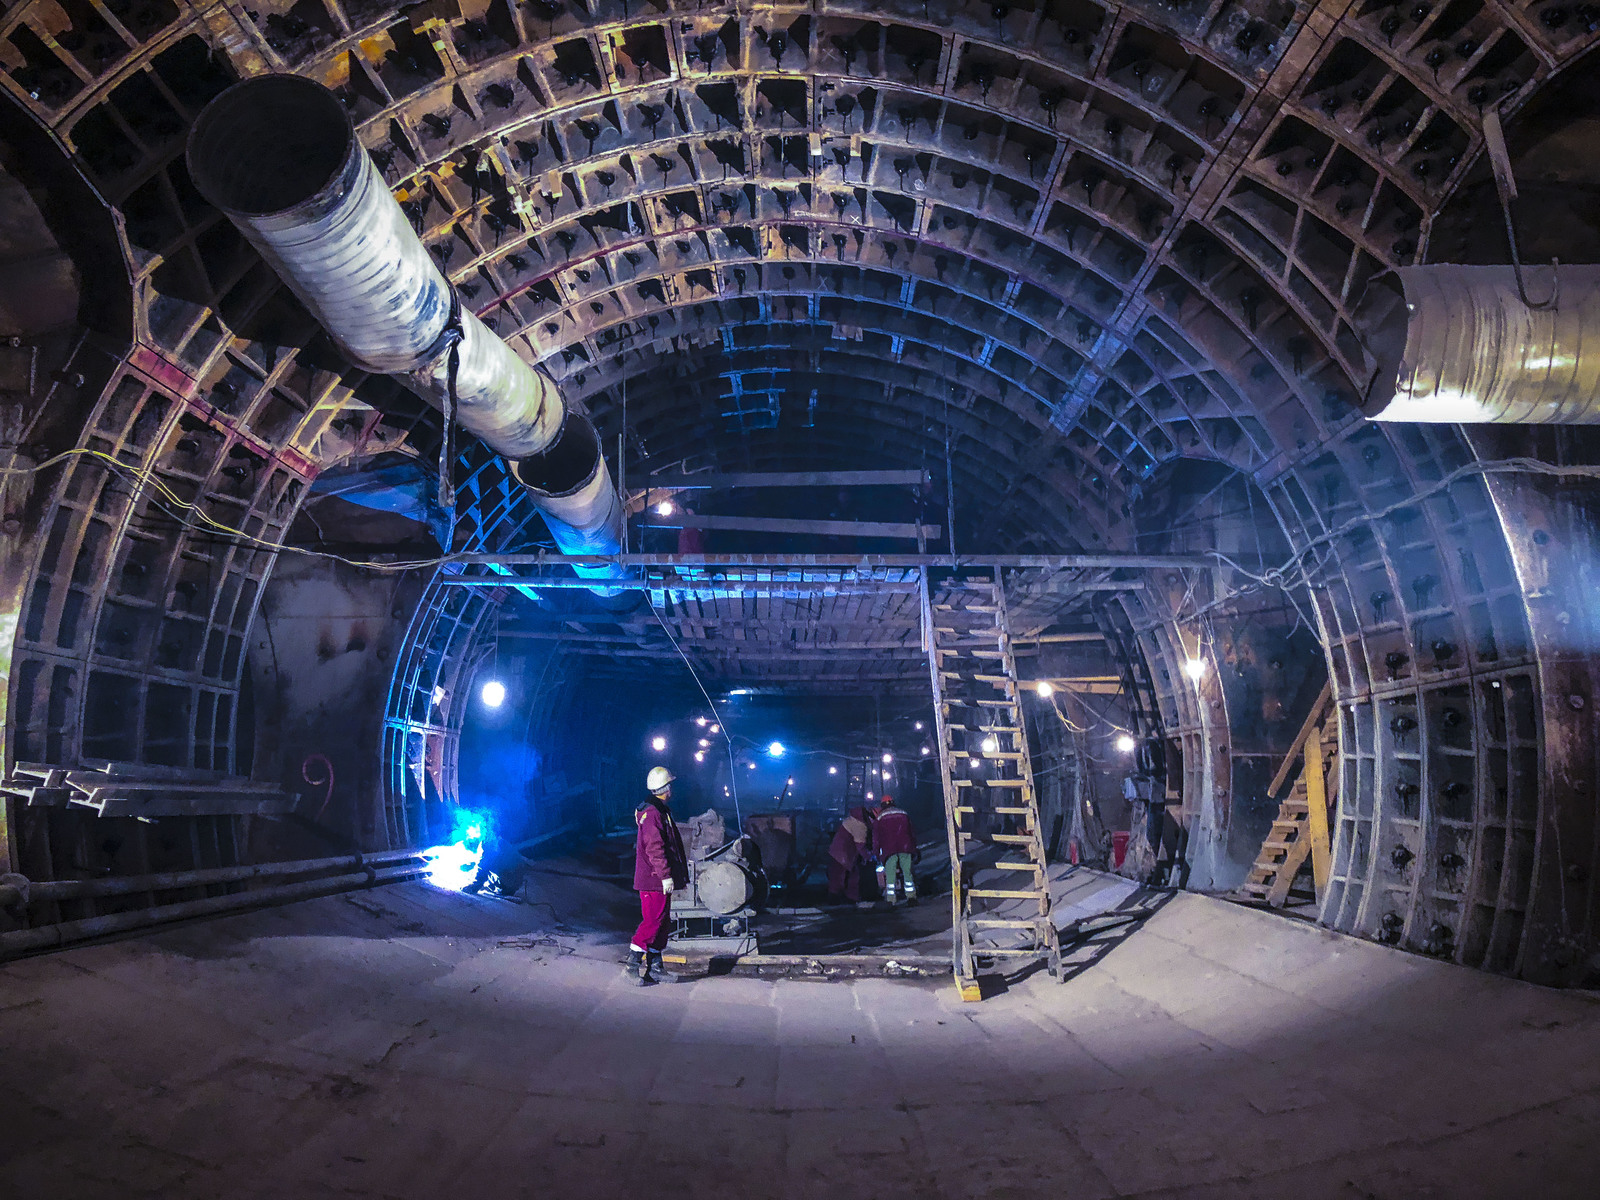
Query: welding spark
[[455, 864]]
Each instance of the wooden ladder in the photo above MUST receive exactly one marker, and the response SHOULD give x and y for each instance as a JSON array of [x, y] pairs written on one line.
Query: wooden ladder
[[989, 794], [1300, 831]]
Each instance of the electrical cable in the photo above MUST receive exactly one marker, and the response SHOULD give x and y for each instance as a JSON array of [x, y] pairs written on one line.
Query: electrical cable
[[722, 722], [1278, 577]]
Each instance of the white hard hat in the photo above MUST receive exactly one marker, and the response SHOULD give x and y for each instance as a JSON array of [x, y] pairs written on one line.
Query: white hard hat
[[658, 779]]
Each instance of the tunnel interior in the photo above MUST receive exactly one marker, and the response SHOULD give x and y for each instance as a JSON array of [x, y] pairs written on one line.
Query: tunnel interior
[[1099, 280], [1060, 323]]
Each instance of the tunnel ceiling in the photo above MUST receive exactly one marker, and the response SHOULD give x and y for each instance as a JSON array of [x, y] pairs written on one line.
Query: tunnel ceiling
[[1074, 240]]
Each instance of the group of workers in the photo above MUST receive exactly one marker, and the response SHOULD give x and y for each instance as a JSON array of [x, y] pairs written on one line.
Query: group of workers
[[661, 866], [883, 836]]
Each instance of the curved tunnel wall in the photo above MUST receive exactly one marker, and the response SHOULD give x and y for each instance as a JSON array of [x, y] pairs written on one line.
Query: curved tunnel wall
[[1159, 230]]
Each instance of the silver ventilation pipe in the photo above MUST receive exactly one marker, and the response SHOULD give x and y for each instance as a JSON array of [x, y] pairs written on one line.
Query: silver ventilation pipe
[[279, 156], [1468, 348]]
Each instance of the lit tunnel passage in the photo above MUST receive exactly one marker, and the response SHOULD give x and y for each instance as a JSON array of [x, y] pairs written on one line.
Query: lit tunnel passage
[[1104, 280]]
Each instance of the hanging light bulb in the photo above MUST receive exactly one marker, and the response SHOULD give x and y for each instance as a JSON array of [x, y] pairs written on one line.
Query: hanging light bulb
[[714, 728], [926, 751], [666, 508], [991, 744], [700, 721], [1195, 669], [1126, 744], [888, 758], [658, 743], [917, 726], [1046, 689], [493, 693], [699, 756], [833, 770]]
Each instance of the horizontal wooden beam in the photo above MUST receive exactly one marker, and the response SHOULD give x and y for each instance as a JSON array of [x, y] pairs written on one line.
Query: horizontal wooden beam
[[849, 562], [728, 588], [766, 479], [875, 529]]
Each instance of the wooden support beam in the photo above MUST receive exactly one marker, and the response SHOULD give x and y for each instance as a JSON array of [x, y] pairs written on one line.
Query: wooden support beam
[[877, 529], [1317, 820], [853, 563], [765, 479]]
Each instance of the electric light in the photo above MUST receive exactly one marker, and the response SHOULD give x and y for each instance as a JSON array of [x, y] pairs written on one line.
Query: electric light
[[704, 743], [926, 750], [991, 744], [775, 749], [666, 508], [917, 726], [494, 693], [1195, 669], [833, 770], [751, 765], [1126, 744], [714, 729], [888, 758], [869, 795], [658, 743], [791, 781], [700, 721], [1046, 689], [699, 756]]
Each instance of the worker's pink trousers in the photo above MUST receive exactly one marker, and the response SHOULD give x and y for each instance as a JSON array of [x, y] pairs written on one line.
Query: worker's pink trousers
[[655, 923]]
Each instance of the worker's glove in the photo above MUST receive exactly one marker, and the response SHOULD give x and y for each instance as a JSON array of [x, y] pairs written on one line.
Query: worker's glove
[[666, 887]]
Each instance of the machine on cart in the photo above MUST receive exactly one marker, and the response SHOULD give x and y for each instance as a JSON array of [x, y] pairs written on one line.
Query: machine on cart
[[726, 889]]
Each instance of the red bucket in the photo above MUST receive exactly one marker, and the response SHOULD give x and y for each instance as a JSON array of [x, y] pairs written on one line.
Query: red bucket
[[1119, 847]]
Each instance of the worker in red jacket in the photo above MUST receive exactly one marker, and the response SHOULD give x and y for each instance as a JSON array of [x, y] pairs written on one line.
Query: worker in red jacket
[[660, 867], [896, 844]]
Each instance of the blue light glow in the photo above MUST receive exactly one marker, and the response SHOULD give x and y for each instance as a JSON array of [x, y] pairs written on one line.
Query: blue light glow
[[493, 693], [776, 750]]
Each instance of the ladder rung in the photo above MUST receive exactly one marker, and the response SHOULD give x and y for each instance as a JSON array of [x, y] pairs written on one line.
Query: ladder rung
[[1005, 922], [1027, 866], [995, 950], [1006, 893], [1009, 839]]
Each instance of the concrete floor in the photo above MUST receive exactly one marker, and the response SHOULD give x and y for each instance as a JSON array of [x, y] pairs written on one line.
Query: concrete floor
[[389, 1045]]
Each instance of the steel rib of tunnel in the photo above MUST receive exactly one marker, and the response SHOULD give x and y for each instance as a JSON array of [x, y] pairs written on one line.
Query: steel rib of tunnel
[[280, 157]]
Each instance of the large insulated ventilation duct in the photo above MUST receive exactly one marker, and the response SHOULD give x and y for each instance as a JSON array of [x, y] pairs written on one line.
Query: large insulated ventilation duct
[[1475, 352], [278, 154]]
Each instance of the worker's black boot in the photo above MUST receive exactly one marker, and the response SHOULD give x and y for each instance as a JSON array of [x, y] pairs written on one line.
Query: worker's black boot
[[658, 968], [637, 968]]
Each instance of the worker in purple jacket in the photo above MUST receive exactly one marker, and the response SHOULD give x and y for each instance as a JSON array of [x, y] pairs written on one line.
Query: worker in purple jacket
[[660, 867], [896, 844]]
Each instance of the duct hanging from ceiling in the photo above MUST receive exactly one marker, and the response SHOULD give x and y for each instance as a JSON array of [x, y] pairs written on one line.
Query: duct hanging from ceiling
[[1476, 353], [279, 156]]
